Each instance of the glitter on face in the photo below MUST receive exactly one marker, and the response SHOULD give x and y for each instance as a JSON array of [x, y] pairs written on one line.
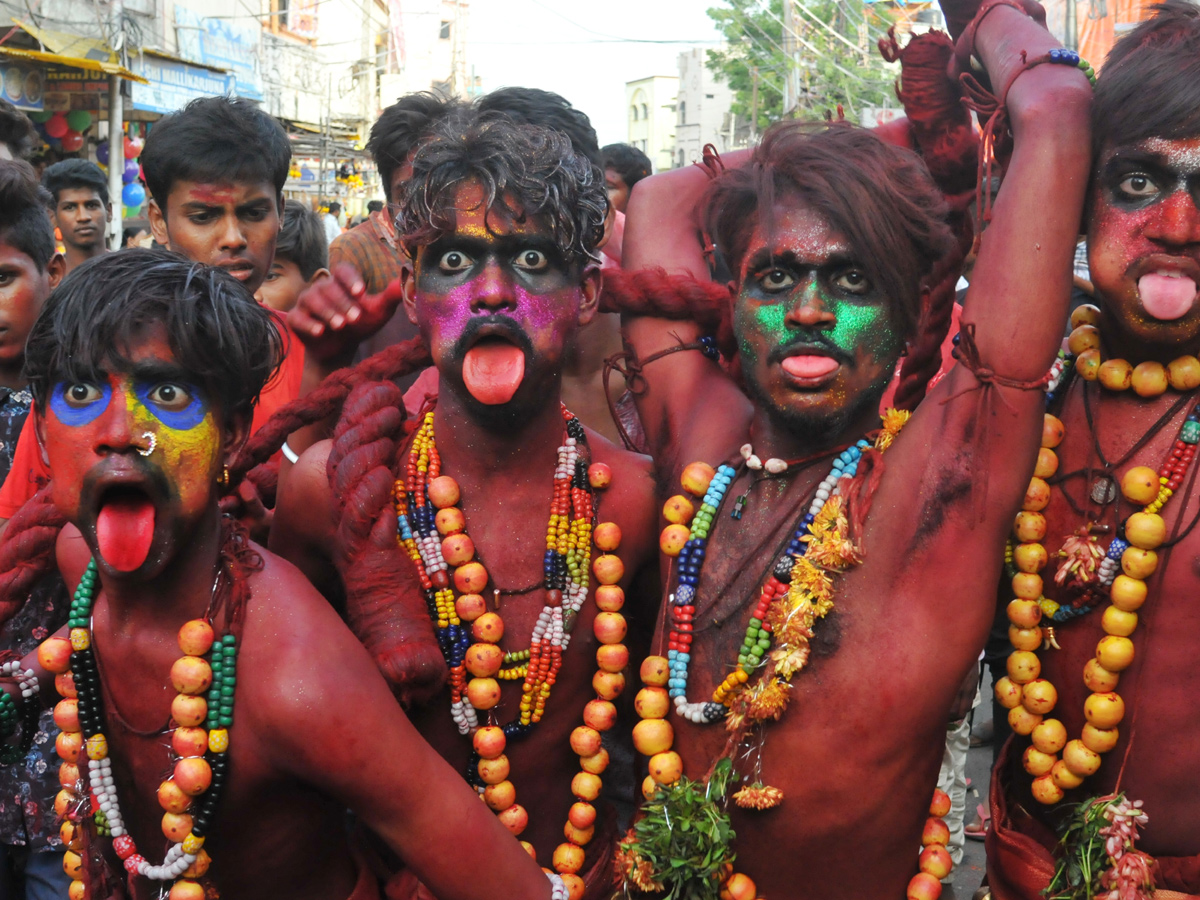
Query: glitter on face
[[501, 268], [802, 293], [1145, 218]]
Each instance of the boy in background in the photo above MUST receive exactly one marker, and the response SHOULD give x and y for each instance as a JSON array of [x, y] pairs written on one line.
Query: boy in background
[[81, 207], [215, 171], [301, 258]]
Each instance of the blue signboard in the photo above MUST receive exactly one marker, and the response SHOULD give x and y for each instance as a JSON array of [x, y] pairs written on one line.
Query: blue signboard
[[173, 84], [21, 85], [226, 43]]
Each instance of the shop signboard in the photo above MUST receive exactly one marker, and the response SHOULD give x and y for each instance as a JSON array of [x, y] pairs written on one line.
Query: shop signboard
[[68, 88], [173, 84], [225, 43], [22, 85]]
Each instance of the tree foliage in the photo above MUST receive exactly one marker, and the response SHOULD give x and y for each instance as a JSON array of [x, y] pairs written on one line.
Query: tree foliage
[[835, 59]]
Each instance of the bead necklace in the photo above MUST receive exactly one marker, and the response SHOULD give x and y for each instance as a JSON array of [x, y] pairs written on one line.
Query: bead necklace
[[189, 796], [435, 541], [1148, 379], [1030, 698], [757, 641], [796, 593], [12, 717]]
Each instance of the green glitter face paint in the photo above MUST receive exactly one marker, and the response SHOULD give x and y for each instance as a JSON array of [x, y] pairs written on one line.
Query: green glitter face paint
[[815, 335]]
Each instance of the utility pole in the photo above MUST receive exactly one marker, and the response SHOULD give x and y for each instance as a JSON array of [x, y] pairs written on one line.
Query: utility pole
[[326, 130], [789, 50], [1072, 27], [753, 104], [116, 130]]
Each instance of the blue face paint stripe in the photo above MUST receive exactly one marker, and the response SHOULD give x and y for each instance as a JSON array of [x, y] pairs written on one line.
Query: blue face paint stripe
[[76, 416], [181, 419]]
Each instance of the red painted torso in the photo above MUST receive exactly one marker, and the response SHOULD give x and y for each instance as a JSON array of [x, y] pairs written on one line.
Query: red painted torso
[[1160, 686], [857, 750]]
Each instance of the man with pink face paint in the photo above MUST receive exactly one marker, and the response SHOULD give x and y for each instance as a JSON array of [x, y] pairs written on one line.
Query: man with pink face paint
[[501, 224], [1123, 617]]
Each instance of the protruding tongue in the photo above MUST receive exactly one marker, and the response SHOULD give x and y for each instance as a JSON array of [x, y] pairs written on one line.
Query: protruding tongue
[[1165, 296], [124, 531], [492, 371], [809, 366]]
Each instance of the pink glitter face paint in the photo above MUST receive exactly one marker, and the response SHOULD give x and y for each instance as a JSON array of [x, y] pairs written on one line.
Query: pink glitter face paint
[[1144, 244], [496, 301]]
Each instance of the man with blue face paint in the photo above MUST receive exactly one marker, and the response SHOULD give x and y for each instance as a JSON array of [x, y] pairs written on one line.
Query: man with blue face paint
[[194, 652]]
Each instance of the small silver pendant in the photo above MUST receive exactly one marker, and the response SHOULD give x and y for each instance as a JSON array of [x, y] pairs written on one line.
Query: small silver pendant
[[1104, 491]]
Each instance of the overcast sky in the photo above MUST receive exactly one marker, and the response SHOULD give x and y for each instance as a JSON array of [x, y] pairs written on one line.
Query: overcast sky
[[583, 50]]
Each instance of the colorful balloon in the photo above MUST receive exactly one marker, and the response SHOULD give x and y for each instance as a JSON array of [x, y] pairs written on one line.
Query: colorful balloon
[[72, 141], [56, 126], [102, 153], [79, 119], [130, 174], [133, 194], [42, 116], [133, 148]]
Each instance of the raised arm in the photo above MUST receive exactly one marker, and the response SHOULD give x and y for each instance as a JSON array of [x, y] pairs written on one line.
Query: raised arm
[[1021, 284]]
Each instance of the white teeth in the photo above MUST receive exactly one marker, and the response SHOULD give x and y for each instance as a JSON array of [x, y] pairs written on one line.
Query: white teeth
[[1169, 274]]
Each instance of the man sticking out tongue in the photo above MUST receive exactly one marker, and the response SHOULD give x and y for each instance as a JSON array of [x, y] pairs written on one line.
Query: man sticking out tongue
[[1111, 537], [817, 587], [520, 531], [196, 653]]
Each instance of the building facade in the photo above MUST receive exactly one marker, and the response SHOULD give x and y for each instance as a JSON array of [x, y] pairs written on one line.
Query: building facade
[[704, 114], [650, 109]]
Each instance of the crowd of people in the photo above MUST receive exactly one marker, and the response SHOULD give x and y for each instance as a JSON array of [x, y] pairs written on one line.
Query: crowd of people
[[564, 530]]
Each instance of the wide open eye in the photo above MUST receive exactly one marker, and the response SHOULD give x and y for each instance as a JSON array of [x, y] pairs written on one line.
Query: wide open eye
[[531, 260], [1137, 186], [454, 261], [170, 397], [776, 280], [81, 394], [853, 280]]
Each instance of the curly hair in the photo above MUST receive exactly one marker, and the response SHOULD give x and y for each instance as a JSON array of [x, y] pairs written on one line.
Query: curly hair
[[526, 171]]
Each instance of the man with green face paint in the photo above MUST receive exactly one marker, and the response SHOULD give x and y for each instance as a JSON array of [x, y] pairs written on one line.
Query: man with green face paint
[[826, 602]]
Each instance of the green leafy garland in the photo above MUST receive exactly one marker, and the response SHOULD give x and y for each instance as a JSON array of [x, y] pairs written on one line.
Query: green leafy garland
[[684, 840]]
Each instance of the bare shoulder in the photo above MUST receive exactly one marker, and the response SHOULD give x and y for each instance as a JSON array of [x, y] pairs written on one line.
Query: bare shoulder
[[294, 640], [632, 493], [282, 597]]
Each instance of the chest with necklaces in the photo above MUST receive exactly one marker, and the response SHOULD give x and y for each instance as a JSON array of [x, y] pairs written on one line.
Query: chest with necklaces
[[1103, 566], [798, 591]]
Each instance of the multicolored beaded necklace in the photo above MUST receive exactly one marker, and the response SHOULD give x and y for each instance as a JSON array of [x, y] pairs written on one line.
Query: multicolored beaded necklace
[[796, 593], [200, 741], [432, 530]]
